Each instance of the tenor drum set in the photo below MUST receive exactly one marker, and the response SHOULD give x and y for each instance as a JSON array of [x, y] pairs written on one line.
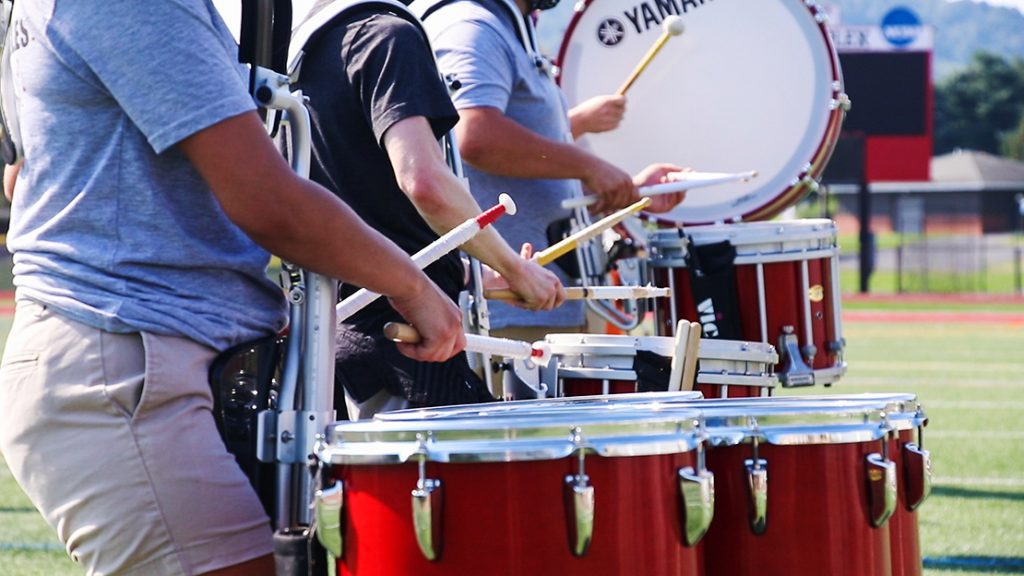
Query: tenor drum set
[[616, 454]]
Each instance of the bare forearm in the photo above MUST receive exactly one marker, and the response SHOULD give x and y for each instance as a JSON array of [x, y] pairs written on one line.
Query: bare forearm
[[493, 143], [290, 216]]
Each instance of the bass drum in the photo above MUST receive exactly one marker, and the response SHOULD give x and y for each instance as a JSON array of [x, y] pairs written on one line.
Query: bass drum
[[746, 86]]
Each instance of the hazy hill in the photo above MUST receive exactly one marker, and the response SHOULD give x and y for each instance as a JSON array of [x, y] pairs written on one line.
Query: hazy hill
[[961, 27]]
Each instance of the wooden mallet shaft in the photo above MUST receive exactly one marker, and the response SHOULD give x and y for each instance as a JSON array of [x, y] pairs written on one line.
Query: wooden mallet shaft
[[551, 253], [671, 26], [592, 293]]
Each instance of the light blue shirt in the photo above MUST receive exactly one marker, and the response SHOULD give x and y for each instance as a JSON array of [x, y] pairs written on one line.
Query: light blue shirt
[[476, 43], [110, 224]]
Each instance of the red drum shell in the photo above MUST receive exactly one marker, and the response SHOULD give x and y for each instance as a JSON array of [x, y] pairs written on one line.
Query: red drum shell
[[903, 527], [786, 301], [508, 519], [817, 514]]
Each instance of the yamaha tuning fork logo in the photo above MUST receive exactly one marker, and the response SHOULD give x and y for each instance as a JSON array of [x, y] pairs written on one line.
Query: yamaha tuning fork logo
[[610, 32]]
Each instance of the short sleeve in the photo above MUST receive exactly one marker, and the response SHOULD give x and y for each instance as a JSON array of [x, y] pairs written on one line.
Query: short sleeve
[[168, 64], [475, 53], [390, 65]]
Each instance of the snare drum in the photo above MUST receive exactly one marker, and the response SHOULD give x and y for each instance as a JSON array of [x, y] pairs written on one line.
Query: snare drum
[[595, 364], [747, 86], [786, 279], [516, 493], [801, 490]]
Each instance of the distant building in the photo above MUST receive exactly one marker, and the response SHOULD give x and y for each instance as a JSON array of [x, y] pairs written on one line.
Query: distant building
[[969, 192]]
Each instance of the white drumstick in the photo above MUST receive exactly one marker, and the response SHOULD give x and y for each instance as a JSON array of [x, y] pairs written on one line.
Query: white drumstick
[[683, 181], [432, 252], [538, 352], [593, 293]]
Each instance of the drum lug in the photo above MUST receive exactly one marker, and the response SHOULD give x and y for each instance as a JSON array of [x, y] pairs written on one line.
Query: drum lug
[[579, 506], [698, 491], [330, 502], [757, 485], [917, 474], [881, 476], [795, 372], [427, 503]]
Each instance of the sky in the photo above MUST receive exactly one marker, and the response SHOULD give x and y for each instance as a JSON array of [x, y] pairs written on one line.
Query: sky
[[1018, 4]]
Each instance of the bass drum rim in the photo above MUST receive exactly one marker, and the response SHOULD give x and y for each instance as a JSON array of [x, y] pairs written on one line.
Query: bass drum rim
[[804, 182]]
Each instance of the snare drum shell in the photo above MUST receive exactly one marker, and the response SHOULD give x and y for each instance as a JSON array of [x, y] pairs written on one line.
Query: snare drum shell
[[779, 260], [817, 514], [903, 527], [508, 518]]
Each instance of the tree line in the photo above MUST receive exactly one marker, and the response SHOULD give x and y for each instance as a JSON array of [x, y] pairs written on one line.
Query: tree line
[[981, 107]]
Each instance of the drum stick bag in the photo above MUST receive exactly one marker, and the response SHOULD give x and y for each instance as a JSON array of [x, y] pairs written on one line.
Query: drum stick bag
[[713, 283], [652, 371], [556, 232], [243, 380]]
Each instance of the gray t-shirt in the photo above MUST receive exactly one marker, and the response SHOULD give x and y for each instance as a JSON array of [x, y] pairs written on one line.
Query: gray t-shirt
[[476, 42], [111, 225]]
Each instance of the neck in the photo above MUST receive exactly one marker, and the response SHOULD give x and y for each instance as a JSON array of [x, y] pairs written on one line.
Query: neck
[[524, 7]]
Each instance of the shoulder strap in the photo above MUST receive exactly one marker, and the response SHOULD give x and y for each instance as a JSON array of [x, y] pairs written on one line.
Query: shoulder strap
[[10, 133], [523, 24], [309, 28]]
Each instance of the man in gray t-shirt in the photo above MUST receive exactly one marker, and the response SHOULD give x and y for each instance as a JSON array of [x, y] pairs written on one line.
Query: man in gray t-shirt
[[515, 136], [142, 217]]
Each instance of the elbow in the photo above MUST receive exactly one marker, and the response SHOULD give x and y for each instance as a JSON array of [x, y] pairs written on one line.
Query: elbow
[[426, 190]]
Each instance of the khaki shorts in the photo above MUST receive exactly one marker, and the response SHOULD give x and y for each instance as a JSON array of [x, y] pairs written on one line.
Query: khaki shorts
[[112, 438]]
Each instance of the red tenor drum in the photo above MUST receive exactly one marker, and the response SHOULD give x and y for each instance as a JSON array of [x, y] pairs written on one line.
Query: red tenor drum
[[746, 86], [516, 493], [589, 364], [783, 286]]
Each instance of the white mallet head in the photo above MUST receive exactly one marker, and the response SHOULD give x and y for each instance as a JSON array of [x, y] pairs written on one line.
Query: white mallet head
[[509, 204], [673, 25]]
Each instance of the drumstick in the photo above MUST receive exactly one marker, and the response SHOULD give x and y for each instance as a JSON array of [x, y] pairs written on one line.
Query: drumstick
[[684, 181], [692, 351], [593, 293], [675, 378], [538, 352], [671, 26], [451, 240], [549, 254]]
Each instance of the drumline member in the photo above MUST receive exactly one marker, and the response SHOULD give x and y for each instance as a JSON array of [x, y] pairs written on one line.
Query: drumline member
[[515, 135], [148, 187], [378, 107]]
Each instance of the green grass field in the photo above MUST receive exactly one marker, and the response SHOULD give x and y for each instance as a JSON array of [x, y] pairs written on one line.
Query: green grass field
[[967, 375]]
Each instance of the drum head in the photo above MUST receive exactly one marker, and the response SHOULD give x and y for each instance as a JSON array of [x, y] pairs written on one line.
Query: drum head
[[746, 86]]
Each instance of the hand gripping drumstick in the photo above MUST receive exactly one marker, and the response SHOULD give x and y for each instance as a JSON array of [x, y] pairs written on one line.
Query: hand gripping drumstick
[[453, 239], [593, 293], [671, 26], [549, 254], [685, 181], [538, 352]]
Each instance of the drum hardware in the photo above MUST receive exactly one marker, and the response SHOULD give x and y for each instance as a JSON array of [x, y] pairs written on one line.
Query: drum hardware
[[427, 502], [757, 489], [579, 501], [795, 372], [697, 488], [917, 471], [329, 502], [881, 476]]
